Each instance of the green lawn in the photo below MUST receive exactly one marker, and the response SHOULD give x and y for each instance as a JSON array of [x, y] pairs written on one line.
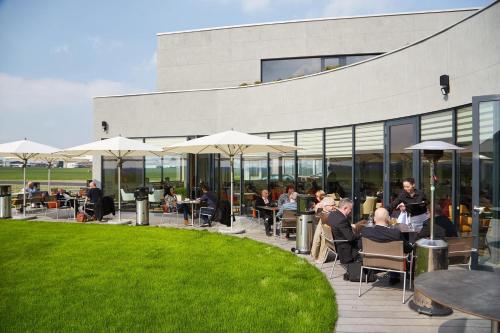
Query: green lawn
[[96, 278], [40, 174]]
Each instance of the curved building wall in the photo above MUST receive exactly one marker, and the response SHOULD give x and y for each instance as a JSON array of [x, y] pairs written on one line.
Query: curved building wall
[[398, 84], [229, 56]]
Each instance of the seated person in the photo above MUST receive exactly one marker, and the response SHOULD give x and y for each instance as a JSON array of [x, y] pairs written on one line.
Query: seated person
[[172, 204], [30, 189], [383, 234], [443, 227], [342, 230], [263, 200], [285, 197], [320, 195], [291, 205], [92, 197], [63, 198], [211, 201], [318, 248]]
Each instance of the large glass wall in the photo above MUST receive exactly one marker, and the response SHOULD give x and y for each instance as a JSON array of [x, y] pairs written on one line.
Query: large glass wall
[[282, 166], [369, 168], [131, 176], [338, 148], [438, 126], [310, 161]]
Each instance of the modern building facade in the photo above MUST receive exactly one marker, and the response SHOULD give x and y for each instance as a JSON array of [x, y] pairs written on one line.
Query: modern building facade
[[352, 92]]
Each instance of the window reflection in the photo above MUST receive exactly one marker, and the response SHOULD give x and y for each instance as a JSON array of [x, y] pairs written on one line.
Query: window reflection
[[282, 166], [310, 161], [339, 161]]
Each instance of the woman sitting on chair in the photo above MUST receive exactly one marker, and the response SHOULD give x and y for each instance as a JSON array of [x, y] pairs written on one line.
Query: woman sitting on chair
[[172, 204]]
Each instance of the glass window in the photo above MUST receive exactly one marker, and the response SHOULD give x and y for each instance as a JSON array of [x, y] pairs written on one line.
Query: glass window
[[131, 175], [224, 189], [489, 180], [369, 168], [332, 63], [357, 58], [169, 168], [401, 160], [338, 145], [438, 126], [463, 216], [282, 166], [254, 175], [280, 69], [310, 161]]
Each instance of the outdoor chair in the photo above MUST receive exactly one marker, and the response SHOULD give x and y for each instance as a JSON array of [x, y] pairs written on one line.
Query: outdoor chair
[[368, 206], [330, 243], [209, 212], [127, 198], [460, 251], [288, 220], [388, 257], [155, 198]]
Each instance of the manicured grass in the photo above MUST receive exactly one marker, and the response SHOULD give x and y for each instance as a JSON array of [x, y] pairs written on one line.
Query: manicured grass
[[40, 174], [95, 278]]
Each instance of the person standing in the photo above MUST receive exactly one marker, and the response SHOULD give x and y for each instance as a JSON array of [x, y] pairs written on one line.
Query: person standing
[[411, 200]]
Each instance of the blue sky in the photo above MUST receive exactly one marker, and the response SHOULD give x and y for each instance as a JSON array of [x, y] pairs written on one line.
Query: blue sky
[[55, 54]]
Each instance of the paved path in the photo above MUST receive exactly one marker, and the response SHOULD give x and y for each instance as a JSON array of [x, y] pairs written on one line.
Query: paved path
[[379, 309]]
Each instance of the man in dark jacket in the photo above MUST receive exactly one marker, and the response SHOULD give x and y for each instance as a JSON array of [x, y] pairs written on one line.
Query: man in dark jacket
[[381, 233], [266, 215], [210, 199], [342, 230]]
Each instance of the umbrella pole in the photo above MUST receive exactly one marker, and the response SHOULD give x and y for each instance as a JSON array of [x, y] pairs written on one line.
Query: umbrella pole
[[119, 190], [48, 179], [231, 162], [25, 162]]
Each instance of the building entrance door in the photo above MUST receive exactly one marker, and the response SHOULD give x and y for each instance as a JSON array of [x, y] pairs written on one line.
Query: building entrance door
[[399, 163], [486, 179]]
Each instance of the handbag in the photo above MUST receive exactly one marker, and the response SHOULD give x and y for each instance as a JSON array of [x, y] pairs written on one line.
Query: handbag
[[81, 217]]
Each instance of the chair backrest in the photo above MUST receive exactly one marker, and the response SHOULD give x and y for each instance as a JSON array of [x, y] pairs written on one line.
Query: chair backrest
[[459, 246], [369, 205], [289, 219], [127, 196], [377, 252], [179, 197]]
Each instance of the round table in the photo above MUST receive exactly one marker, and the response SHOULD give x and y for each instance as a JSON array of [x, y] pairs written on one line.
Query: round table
[[473, 292]]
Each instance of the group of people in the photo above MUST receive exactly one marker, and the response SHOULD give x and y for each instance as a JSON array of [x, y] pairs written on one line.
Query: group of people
[[206, 212]]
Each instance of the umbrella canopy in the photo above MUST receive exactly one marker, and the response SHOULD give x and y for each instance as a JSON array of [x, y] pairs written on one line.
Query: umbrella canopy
[[118, 147], [26, 150], [230, 143]]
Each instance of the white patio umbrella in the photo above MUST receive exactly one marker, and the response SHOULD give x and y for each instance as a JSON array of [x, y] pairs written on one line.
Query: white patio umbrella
[[118, 147], [25, 150], [230, 143]]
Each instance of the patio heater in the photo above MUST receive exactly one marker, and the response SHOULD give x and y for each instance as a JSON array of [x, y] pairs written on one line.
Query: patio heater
[[432, 254]]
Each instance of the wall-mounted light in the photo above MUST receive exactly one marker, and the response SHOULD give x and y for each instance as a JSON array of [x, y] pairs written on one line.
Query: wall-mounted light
[[105, 126], [444, 81]]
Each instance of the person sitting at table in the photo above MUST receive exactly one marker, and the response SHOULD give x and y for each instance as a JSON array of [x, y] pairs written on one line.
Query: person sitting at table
[[318, 247], [319, 196], [92, 198], [172, 204], [285, 197], [291, 206], [443, 227], [30, 189], [263, 200], [343, 230], [412, 201], [209, 211], [382, 233], [63, 198]]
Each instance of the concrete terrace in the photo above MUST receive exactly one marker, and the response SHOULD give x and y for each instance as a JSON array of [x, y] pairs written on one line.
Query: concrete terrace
[[379, 309]]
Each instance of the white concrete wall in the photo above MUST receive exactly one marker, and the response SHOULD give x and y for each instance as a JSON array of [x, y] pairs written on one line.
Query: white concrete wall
[[398, 84], [230, 56]]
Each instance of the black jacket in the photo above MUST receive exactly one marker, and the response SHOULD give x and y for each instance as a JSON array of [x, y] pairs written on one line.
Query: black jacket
[[418, 202], [260, 202], [383, 234], [342, 230]]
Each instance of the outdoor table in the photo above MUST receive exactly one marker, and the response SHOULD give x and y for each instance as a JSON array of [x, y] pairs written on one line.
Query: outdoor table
[[274, 210], [473, 292], [192, 203]]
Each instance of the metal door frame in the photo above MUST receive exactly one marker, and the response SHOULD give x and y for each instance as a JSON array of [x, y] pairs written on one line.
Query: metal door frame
[[415, 121], [476, 100]]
